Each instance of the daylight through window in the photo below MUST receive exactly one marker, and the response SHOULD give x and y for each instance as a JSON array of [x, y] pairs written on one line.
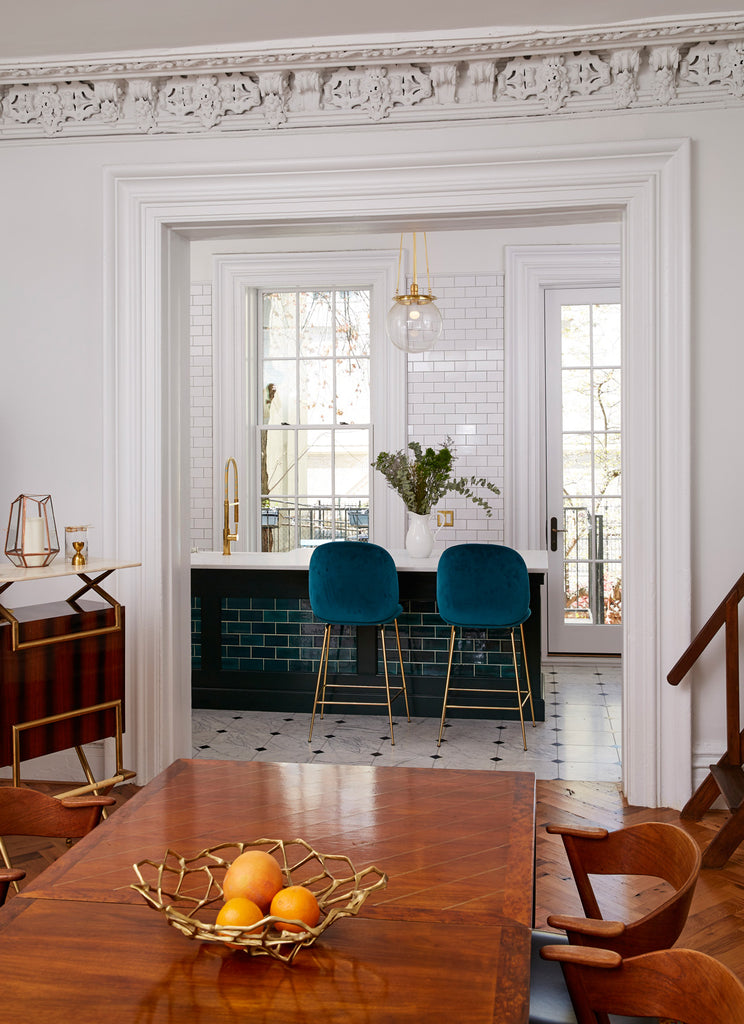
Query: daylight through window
[[314, 411]]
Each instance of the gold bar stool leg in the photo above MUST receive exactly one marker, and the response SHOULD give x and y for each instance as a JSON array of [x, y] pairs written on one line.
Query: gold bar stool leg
[[447, 683], [326, 633], [527, 673], [325, 673], [387, 685], [519, 692], [402, 670]]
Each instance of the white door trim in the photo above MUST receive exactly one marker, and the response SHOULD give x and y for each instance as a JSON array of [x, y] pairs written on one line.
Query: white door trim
[[146, 488]]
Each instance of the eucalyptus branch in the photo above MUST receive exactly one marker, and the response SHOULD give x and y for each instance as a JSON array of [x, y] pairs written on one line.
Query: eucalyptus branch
[[423, 479]]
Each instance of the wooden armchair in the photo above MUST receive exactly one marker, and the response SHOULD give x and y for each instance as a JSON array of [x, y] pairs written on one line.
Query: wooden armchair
[[27, 812], [652, 849], [7, 877], [672, 985]]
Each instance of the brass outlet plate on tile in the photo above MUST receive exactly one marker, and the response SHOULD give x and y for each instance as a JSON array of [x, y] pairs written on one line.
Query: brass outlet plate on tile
[[446, 518]]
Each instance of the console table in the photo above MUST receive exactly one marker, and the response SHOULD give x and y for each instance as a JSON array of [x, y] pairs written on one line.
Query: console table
[[62, 669]]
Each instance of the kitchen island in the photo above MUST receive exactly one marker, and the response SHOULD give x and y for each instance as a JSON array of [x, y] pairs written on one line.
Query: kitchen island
[[256, 643]]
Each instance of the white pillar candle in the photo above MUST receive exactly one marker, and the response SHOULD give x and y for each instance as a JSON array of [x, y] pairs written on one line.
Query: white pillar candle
[[34, 540]]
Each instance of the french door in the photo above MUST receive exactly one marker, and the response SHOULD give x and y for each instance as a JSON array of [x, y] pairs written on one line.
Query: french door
[[583, 379]]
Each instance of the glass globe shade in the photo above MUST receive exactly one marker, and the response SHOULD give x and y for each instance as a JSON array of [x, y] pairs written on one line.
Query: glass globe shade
[[414, 327]]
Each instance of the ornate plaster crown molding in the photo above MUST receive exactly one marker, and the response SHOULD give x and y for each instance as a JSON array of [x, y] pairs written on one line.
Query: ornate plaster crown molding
[[492, 75]]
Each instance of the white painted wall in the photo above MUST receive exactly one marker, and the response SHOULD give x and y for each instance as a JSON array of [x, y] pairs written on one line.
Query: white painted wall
[[54, 248]]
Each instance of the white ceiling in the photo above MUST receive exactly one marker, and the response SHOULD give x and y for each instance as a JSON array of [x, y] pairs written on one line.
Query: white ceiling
[[46, 28]]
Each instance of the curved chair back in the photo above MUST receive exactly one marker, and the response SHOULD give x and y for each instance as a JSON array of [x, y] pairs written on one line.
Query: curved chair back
[[27, 812], [654, 848], [353, 583], [482, 586], [671, 984]]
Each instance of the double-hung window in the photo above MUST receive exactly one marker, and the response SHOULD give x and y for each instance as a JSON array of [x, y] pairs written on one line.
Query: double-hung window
[[315, 430], [307, 389]]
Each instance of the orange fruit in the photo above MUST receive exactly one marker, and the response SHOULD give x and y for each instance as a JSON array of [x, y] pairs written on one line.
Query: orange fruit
[[254, 875], [296, 903], [239, 912]]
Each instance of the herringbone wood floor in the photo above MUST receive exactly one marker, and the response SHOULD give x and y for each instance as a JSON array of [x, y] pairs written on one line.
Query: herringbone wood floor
[[716, 921]]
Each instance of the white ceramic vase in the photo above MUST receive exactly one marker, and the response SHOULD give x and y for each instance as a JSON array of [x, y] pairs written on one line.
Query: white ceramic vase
[[419, 539]]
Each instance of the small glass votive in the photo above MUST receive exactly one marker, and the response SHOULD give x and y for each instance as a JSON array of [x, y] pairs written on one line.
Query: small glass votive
[[76, 545]]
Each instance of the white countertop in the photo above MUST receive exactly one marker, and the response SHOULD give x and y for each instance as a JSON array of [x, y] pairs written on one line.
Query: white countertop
[[10, 573], [537, 561]]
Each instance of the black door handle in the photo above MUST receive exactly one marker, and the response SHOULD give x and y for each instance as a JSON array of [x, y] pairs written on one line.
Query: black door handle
[[554, 531]]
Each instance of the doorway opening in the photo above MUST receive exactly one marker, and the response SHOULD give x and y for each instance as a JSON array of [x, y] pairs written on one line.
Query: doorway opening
[[150, 214]]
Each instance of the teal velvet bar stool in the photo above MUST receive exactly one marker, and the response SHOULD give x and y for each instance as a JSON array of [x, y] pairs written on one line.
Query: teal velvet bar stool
[[355, 583], [485, 586]]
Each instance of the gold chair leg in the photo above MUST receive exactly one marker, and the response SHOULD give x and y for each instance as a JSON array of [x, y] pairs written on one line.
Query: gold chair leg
[[402, 670], [519, 692], [325, 673], [7, 863], [323, 663], [447, 683], [527, 673], [387, 685]]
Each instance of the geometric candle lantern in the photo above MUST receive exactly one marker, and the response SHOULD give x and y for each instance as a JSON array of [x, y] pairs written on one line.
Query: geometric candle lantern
[[32, 531]]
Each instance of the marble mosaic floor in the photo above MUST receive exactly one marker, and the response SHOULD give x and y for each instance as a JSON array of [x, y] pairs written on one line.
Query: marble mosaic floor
[[579, 740]]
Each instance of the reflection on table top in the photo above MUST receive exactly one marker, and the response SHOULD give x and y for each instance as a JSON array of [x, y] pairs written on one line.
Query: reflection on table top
[[448, 937], [94, 962], [447, 839]]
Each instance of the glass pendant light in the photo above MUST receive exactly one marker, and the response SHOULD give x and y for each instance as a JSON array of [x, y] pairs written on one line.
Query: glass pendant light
[[414, 323]]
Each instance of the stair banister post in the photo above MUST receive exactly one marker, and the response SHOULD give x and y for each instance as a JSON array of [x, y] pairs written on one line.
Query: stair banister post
[[733, 733]]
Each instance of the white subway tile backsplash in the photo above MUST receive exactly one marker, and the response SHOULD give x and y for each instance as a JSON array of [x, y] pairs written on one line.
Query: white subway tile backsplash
[[454, 390]]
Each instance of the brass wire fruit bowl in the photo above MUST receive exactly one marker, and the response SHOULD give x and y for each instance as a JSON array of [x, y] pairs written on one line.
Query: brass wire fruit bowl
[[188, 890]]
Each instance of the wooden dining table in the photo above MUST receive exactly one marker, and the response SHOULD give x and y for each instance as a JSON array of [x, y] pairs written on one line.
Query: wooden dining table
[[447, 938]]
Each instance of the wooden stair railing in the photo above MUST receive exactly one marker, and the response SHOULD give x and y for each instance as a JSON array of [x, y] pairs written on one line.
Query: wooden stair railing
[[726, 778]]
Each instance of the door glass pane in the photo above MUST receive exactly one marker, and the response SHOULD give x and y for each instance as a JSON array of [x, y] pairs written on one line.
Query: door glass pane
[[577, 400], [577, 465], [575, 349], [606, 334], [606, 397], [591, 424]]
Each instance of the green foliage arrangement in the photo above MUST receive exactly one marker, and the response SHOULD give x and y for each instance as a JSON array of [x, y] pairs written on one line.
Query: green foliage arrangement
[[422, 479]]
